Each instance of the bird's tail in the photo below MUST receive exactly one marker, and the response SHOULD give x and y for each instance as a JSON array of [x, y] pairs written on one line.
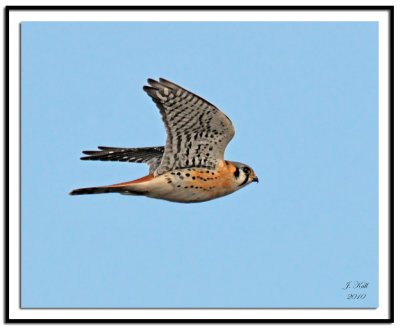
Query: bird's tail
[[96, 190], [128, 188]]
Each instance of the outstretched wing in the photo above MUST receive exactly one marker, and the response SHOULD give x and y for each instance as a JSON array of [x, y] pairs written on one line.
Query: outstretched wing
[[197, 132], [149, 155]]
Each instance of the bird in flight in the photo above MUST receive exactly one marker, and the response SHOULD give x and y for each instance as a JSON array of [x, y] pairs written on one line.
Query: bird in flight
[[191, 166]]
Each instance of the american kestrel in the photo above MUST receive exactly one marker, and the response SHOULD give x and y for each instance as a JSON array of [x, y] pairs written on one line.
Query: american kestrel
[[191, 166]]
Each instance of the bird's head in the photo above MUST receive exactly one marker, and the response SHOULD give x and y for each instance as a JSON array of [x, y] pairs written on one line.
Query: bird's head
[[243, 174]]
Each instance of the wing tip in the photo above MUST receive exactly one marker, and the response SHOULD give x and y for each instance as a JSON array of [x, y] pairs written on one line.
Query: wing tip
[[146, 87], [164, 80], [161, 83], [151, 81]]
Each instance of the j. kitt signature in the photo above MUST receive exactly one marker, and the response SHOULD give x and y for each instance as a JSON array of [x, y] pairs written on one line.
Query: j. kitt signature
[[356, 289]]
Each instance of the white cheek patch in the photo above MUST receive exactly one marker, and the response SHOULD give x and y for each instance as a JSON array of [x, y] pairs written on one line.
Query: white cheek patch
[[242, 179]]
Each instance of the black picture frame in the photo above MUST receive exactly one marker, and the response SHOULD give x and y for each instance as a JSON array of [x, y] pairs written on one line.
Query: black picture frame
[[10, 9]]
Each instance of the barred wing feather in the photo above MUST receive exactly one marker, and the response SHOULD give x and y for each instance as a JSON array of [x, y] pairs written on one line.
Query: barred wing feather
[[197, 132], [150, 155]]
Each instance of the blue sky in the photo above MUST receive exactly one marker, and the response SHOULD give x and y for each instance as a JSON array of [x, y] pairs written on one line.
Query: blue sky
[[303, 98]]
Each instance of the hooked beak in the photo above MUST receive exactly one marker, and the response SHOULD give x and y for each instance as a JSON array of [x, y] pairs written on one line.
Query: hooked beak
[[255, 179]]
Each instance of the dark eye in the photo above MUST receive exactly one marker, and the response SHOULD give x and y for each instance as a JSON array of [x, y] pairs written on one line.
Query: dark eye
[[246, 170]]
